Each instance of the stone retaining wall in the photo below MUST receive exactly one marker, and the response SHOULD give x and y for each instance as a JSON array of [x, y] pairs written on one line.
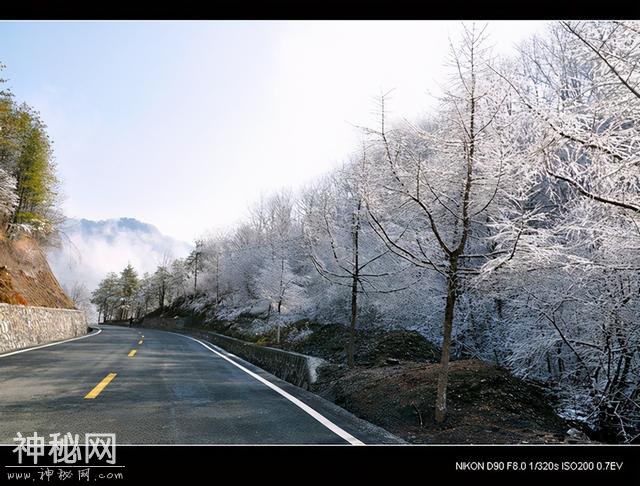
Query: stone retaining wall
[[26, 326], [298, 369]]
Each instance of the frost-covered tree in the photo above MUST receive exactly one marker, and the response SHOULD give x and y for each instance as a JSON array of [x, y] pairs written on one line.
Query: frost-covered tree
[[193, 264], [162, 285], [180, 274], [341, 244], [277, 277], [106, 297], [578, 83], [434, 190], [145, 297], [8, 197], [81, 298], [214, 263]]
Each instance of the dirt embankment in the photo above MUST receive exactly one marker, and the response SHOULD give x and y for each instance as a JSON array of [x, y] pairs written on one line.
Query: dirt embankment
[[487, 405], [25, 276], [373, 346]]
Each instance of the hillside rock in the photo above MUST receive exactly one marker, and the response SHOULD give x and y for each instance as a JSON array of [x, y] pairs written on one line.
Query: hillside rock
[[25, 276]]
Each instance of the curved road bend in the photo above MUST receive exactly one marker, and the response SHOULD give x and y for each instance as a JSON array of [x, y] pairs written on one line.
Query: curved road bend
[[171, 390]]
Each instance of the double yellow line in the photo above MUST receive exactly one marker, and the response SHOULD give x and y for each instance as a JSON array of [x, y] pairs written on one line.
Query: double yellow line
[[107, 379]]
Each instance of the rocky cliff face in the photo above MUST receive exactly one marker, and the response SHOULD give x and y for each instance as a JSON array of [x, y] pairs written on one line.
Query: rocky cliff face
[[25, 276]]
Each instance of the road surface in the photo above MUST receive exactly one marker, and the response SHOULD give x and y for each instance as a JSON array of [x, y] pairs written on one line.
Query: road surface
[[150, 386]]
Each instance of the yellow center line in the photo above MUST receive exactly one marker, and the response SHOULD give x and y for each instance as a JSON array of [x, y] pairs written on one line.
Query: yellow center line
[[100, 386], [132, 353]]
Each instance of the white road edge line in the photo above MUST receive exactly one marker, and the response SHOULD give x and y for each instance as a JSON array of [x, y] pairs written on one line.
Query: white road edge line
[[320, 418], [50, 344]]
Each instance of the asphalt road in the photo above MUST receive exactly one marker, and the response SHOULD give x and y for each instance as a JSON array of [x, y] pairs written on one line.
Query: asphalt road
[[172, 390]]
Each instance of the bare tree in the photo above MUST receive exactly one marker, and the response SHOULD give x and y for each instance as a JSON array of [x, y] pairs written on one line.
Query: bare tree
[[433, 189], [340, 243]]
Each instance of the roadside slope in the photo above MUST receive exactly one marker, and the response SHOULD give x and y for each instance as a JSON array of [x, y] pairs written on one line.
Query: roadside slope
[[25, 275]]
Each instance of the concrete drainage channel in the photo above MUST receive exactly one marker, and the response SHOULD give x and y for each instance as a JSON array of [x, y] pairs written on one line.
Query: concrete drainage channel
[[298, 369]]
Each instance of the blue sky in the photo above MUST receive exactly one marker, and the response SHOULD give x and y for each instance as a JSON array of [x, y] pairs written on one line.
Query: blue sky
[[185, 124]]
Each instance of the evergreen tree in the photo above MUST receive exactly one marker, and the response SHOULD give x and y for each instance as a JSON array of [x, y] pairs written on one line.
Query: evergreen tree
[[129, 284]]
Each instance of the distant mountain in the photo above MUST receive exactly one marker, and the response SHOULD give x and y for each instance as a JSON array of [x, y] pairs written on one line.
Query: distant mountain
[[90, 249]]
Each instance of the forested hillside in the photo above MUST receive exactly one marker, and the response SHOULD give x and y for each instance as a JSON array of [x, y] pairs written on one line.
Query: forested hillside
[[28, 183], [29, 213], [505, 226]]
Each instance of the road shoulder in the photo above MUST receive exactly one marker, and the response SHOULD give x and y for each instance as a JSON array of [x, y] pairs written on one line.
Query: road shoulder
[[366, 432]]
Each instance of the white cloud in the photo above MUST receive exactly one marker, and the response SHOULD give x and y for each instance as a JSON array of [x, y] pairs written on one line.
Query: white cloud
[[87, 256]]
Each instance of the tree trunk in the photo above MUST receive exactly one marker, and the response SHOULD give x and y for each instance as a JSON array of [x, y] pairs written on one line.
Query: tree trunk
[[355, 276], [281, 289], [195, 274], [217, 283], [352, 325], [20, 206], [161, 298], [443, 376]]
